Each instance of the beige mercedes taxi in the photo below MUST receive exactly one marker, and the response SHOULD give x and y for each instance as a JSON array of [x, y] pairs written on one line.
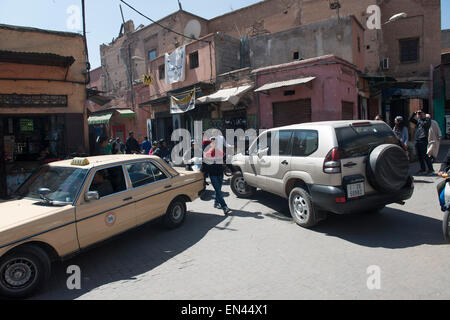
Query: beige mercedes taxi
[[67, 206]]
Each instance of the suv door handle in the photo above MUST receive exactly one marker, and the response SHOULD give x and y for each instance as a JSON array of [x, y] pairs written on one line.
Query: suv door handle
[[285, 163], [350, 164], [128, 199], [167, 187]]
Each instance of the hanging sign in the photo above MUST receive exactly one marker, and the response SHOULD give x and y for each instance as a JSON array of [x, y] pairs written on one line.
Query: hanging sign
[[184, 104], [175, 65]]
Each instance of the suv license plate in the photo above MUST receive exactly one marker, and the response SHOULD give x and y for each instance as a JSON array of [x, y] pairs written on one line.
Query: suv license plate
[[355, 190]]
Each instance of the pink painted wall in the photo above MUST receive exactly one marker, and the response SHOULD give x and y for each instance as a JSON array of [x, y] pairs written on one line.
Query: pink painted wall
[[331, 87], [205, 71]]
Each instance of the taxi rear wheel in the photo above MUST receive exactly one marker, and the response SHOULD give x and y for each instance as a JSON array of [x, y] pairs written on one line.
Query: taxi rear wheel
[[175, 214], [23, 272]]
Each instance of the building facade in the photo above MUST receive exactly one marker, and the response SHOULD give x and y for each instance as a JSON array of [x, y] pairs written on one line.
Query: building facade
[[43, 81]]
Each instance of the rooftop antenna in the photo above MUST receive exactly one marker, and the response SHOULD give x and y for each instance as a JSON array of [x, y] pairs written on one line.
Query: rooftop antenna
[[335, 5]]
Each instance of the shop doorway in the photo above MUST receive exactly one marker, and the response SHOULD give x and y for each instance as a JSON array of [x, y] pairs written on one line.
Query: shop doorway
[[347, 110]]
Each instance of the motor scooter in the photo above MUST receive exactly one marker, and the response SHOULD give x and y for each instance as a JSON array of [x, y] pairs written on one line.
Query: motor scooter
[[444, 199]]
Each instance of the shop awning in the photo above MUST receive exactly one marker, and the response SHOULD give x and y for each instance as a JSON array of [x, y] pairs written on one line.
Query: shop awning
[[126, 113], [100, 119], [231, 95], [281, 84]]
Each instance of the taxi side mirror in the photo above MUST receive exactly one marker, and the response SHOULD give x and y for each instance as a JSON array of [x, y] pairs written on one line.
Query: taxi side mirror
[[91, 196]]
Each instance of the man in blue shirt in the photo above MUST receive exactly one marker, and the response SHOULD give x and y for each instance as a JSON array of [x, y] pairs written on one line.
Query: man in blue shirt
[[146, 146]]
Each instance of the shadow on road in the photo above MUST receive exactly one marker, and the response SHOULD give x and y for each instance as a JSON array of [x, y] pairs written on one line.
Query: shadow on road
[[209, 195], [129, 255], [391, 228]]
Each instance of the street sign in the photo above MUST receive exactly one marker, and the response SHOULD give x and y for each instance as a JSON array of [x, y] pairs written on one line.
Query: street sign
[[147, 79]]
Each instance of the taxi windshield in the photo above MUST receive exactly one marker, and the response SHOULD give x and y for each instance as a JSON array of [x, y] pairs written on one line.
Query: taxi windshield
[[63, 183]]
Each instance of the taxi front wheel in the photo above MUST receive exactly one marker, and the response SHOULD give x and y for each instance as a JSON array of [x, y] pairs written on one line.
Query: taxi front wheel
[[175, 214], [23, 272]]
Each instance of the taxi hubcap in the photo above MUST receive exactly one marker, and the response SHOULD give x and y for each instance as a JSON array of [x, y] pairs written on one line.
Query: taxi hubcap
[[177, 212], [18, 273]]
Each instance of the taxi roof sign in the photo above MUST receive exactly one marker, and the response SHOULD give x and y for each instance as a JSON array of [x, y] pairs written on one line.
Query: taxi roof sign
[[79, 162]]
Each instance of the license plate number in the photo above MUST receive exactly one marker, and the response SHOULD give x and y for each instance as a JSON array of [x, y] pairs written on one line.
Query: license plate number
[[355, 190]]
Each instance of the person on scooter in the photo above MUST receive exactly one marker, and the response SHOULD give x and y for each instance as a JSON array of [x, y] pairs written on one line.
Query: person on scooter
[[190, 159], [442, 172], [162, 152]]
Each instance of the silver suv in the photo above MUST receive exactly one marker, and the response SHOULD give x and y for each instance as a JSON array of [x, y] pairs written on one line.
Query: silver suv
[[339, 167]]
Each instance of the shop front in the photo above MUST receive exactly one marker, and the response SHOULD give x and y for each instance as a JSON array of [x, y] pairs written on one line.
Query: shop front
[[113, 123], [31, 140]]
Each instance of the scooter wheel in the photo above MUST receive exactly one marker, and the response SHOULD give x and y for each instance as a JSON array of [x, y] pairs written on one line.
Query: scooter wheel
[[446, 226]]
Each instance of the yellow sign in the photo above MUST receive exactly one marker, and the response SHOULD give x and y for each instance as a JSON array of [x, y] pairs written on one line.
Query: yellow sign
[[79, 162], [147, 79]]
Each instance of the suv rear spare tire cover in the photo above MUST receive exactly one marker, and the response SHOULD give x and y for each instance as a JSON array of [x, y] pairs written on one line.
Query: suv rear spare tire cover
[[388, 168]]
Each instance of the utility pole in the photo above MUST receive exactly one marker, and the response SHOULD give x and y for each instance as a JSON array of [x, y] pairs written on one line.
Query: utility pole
[[130, 67]]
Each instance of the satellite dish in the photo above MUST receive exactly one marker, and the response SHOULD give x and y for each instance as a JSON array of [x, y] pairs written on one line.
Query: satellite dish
[[193, 29]]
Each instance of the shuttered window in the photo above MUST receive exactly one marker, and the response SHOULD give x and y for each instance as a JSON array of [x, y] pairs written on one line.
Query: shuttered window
[[291, 112]]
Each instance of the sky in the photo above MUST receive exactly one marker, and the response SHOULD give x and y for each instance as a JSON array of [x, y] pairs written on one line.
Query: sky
[[103, 18]]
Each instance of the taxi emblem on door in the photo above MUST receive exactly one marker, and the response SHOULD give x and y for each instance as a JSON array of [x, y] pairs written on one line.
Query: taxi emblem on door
[[110, 219]]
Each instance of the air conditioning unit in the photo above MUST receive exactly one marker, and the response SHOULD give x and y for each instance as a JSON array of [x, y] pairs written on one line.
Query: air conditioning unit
[[385, 64]]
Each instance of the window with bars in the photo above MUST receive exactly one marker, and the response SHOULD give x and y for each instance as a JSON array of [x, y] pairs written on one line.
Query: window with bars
[[162, 71], [193, 60], [409, 50]]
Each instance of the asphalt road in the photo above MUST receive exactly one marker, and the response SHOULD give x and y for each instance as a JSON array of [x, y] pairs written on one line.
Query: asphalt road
[[260, 253]]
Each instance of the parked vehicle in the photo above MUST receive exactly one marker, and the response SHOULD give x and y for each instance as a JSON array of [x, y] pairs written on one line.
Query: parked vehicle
[[339, 167], [68, 206]]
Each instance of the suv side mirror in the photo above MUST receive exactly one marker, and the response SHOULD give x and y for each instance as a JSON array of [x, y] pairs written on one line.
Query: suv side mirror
[[263, 152], [91, 196]]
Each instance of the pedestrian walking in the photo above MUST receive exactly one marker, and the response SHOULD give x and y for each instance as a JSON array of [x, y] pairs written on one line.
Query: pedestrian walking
[[162, 151], [121, 146], [421, 140], [146, 146], [379, 118], [108, 148], [155, 146], [434, 139], [213, 166], [100, 146], [401, 132], [132, 146], [115, 147]]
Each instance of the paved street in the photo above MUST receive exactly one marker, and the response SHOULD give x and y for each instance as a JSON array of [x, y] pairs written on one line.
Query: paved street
[[259, 253]]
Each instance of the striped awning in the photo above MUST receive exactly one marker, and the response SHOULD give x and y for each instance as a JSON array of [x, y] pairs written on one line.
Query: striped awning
[[231, 95], [288, 83], [100, 119], [126, 113]]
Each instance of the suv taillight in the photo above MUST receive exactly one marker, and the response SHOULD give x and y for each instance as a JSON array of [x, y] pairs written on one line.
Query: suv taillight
[[332, 162]]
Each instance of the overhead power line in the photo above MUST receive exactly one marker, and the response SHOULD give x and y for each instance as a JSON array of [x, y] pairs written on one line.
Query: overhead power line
[[162, 26]]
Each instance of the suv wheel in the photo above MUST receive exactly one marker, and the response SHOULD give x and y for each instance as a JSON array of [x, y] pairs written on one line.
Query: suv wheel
[[302, 209], [240, 188], [23, 272]]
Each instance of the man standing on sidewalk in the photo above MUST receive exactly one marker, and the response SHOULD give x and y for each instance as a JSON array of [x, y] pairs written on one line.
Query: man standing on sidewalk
[[423, 125], [434, 139]]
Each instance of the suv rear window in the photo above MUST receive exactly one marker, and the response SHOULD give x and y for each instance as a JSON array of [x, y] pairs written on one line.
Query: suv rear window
[[359, 141]]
